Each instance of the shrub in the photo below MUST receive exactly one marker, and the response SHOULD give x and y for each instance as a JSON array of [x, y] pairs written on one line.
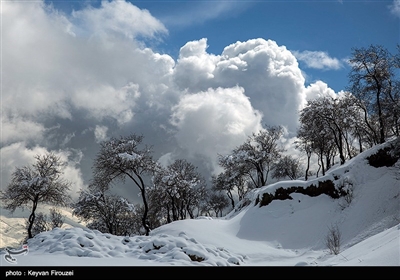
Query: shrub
[[333, 239], [56, 219], [348, 188]]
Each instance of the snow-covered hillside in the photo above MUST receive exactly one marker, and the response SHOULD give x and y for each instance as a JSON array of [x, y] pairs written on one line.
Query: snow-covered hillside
[[283, 224]]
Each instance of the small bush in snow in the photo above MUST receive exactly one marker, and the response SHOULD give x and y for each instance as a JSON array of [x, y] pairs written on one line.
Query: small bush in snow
[[333, 239], [348, 187], [56, 219]]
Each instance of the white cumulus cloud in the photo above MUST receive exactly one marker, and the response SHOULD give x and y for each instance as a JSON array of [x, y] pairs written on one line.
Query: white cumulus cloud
[[61, 70], [268, 73], [117, 18], [317, 90], [195, 67], [214, 121], [318, 60]]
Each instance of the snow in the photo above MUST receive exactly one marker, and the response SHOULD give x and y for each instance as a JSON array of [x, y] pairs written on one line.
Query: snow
[[289, 232], [131, 156]]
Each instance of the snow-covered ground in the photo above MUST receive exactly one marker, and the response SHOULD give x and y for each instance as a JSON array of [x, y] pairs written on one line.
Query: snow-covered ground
[[289, 232]]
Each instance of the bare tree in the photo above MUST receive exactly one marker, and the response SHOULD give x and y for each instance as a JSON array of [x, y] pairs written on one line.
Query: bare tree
[[287, 166], [306, 147], [326, 111], [264, 151], [333, 239], [373, 80], [180, 187], [313, 133], [354, 122], [122, 158], [56, 219], [160, 205], [231, 182], [254, 158], [39, 183], [106, 212], [216, 202]]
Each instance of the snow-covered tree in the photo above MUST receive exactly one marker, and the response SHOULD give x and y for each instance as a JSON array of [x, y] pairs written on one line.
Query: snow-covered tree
[[231, 182], [179, 189], [216, 202], [254, 159], [56, 219], [313, 133], [305, 145], [121, 158], [374, 80], [287, 166], [331, 120], [391, 108], [106, 212], [40, 183], [327, 111], [353, 123]]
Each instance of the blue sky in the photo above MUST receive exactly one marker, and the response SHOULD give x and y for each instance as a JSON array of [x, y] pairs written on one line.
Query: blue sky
[[196, 78], [332, 27]]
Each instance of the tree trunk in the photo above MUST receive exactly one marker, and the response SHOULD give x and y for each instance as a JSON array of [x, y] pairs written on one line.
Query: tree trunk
[[174, 210], [146, 207], [341, 154], [374, 136], [348, 147], [168, 215], [142, 188], [339, 143], [191, 215], [230, 196], [308, 165], [322, 165], [32, 216], [360, 144], [381, 123], [319, 168], [328, 161]]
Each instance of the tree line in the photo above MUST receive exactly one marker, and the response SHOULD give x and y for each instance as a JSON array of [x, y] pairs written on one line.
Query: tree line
[[366, 114]]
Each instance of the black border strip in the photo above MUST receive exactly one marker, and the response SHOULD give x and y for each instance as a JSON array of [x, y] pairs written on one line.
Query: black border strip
[[201, 272]]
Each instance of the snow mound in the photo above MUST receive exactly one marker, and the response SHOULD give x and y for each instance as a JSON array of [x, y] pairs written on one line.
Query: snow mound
[[181, 249]]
